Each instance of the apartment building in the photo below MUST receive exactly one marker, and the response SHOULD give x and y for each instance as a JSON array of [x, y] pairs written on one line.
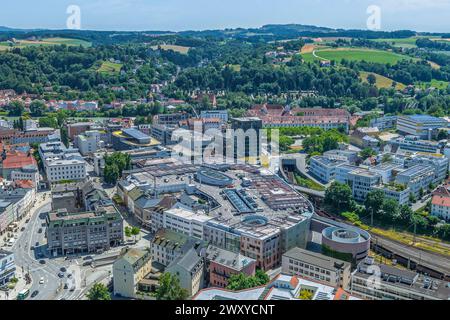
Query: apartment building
[[129, 269], [90, 232], [440, 204], [317, 267], [189, 268], [222, 264]]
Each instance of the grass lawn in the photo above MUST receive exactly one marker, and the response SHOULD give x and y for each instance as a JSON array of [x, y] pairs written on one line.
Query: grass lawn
[[308, 183], [358, 54], [110, 67], [179, 49], [382, 82], [45, 42], [434, 83]]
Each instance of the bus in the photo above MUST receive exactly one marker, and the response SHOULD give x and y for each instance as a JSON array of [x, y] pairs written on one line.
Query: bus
[[23, 294]]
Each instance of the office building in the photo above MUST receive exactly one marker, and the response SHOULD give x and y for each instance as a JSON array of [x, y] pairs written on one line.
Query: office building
[[423, 126]]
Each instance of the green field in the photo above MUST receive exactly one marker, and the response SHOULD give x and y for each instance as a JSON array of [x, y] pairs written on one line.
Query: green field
[[44, 42], [382, 82], [434, 83], [355, 54], [109, 67]]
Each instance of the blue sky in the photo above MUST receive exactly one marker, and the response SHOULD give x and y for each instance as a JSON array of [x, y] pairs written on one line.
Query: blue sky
[[176, 15]]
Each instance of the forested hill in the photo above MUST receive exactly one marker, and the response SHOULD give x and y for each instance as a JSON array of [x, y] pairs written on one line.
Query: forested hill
[[270, 32]]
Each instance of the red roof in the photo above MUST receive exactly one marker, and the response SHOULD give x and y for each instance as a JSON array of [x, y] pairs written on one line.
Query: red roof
[[17, 159], [440, 200], [24, 184]]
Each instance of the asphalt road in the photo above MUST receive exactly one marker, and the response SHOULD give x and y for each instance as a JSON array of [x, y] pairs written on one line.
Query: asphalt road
[[28, 259]]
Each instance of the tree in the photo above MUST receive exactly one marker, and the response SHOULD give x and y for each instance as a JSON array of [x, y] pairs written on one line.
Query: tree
[[127, 231], [371, 79], [64, 136], [111, 173], [37, 108], [386, 158], [98, 292], [16, 108], [374, 201], [405, 213], [135, 231], [170, 288], [390, 209], [305, 295], [366, 153], [339, 197], [241, 281], [442, 135]]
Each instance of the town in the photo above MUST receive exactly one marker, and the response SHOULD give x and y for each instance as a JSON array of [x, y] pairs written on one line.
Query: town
[[204, 166]]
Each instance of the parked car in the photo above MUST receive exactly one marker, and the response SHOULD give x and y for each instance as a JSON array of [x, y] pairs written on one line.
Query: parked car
[[41, 281], [40, 230], [42, 261], [61, 274], [35, 293]]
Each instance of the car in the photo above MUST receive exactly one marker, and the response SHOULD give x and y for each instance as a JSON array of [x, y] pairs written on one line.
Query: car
[[32, 248], [36, 244], [41, 281], [42, 261], [35, 293], [66, 286], [69, 275], [72, 289], [63, 269], [61, 274], [22, 229], [28, 220], [88, 258], [40, 230]]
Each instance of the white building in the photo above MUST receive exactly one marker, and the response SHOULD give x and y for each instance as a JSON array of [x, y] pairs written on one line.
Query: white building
[[61, 163], [417, 178], [362, 181], [440, 204], [186, 222], [88, 142], [324, 168]]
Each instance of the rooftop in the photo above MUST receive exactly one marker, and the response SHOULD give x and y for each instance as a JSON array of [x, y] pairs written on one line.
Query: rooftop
[[316, 259]]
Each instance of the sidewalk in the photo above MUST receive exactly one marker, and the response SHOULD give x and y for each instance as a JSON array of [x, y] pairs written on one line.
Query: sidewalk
[[20, 285]]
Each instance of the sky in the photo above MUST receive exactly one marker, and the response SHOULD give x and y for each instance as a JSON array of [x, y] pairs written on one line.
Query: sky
[[178, 15]]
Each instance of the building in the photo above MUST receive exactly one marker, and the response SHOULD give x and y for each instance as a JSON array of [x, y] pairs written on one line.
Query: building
[[189, 268], [398, 192], [171, 119], [440, 204], [349, 243], [61, 163], [362, 181], [247, 138], [417, 178], [39, 135], [414, 143], [77, 128], [84, 232], [283, 287], [17, 165], [342, 171], [381, 282], [89, 142], [423, 126], [349, 156], [163, 133], [185, 221], [222, 264], [384, 123], [128, 139], [129, 269], [215, 114], [316, 267], [283, 116], [7, 267], [168, 245], [363, 137], [438, 162], [324, 168]]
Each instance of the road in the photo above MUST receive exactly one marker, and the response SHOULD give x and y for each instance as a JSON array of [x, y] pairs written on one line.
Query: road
[[29, 261]]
